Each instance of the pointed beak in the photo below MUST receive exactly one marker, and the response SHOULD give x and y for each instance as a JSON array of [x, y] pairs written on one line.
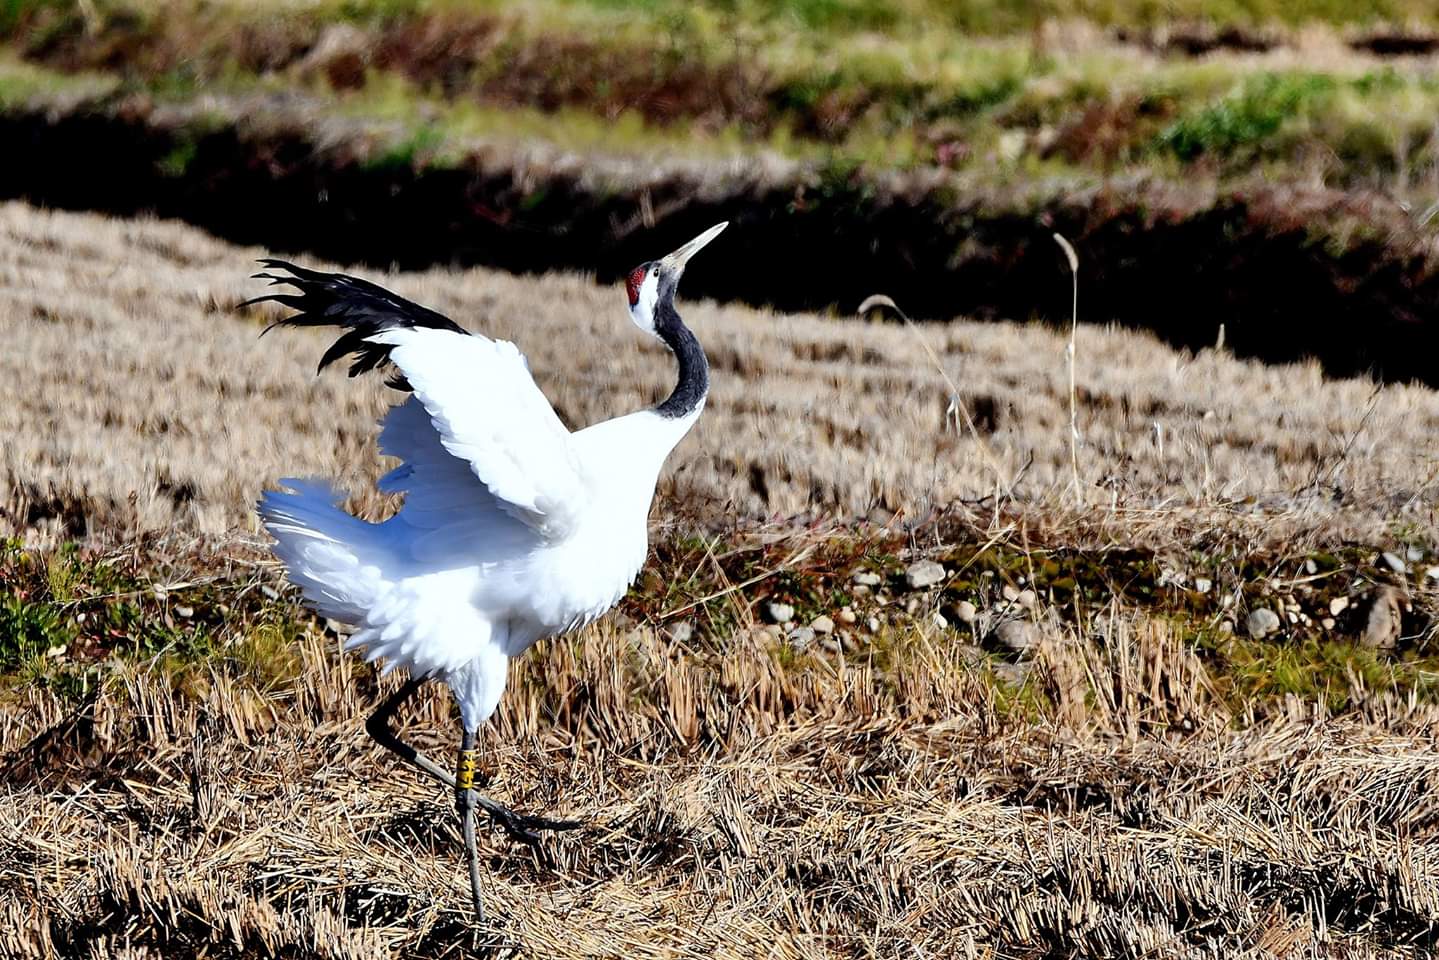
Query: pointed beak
[[677, 260]]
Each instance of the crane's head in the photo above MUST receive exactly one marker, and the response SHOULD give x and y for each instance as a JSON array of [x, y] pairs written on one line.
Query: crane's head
[[653, 283]]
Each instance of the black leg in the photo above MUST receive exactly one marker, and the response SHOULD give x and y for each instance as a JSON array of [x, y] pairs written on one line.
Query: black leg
[[379, 729], [519, 826]]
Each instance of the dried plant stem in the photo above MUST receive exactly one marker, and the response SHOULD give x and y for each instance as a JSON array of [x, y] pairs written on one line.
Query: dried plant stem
[[956, 402], [1073, 259]]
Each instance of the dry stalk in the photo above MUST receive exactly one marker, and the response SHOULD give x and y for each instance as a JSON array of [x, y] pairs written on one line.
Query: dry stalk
[[956, 402], [1070, 351]]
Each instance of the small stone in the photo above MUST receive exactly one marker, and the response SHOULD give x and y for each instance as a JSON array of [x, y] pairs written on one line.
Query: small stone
[[911, 605], [867, 578], [938, 620], [1226, 627], [162, 596], [1386, 619], [1017, 635], [860, 590], [183, 611], [1338, 605], [1203, 584], [1414, 554], [822, 624], [1293, 617], [922, 574], [1394, 562], [801, 637], [1327, 623], [56, 652], [776, 612], [847, 616], [965, 612], [1027, 599], [1009, 593], [682, 632], [1262, 622], [1310, 567], [1432, 573], [872, 624]]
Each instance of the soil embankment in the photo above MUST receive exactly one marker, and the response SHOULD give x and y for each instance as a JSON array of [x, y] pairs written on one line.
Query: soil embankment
[[1289, 272]]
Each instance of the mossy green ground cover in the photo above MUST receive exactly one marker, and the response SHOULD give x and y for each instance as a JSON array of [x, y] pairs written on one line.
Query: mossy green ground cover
[[72, 618]]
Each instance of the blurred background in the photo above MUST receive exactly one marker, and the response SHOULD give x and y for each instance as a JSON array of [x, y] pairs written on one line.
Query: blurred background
[[1262, 166]]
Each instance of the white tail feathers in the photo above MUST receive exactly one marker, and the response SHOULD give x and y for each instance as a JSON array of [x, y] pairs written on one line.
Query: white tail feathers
[[334, 558]]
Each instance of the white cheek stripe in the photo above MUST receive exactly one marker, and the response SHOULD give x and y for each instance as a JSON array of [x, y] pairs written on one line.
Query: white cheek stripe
[[643, 312]]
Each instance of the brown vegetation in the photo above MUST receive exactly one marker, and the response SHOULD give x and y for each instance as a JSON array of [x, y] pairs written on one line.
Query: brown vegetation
[[739, 803], [1135, 783]]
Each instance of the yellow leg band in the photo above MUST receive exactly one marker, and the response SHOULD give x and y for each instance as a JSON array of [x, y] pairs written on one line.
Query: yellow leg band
[[465, 776]]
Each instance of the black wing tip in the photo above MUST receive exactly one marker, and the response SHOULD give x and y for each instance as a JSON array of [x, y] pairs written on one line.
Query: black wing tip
[[275, 263], [360, 308]]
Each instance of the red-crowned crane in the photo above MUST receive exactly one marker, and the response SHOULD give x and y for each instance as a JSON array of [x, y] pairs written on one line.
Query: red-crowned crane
[[512, 529]]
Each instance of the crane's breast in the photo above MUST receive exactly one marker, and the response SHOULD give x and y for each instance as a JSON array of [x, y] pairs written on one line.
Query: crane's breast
[[577, 581]]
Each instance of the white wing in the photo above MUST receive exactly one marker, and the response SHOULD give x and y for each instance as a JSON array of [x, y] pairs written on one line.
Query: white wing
[[488, 412]]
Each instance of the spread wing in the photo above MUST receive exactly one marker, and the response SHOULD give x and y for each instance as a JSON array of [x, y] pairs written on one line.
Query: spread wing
[[488, 412], [478, 394]]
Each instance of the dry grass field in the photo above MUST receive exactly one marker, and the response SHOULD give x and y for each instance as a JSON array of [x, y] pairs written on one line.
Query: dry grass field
[[136, 372], [183, 765], [735, 807]]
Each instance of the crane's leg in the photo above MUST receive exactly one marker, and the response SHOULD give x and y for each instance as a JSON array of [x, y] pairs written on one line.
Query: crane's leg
[[519, 826], [377, 725], [465, 802]]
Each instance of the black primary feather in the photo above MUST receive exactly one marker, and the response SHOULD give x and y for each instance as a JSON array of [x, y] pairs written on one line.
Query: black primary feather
[[363, 308]]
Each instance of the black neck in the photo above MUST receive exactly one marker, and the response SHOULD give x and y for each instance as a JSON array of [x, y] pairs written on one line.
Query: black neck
[[694, 372]]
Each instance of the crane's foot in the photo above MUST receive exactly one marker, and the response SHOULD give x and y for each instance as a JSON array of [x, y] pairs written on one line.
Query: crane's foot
[[522, 827]]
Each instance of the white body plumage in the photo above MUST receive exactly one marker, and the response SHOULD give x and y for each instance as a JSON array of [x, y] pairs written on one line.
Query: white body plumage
[[471, 571]]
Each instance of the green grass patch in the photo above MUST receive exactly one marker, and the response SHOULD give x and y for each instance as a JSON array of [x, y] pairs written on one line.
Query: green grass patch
[[1316, 669], [22, 84], [1248, 119], [832, 83], [67, 614]]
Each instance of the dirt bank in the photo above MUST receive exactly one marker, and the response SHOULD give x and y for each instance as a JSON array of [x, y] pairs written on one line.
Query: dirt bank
[[1289, 272]]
